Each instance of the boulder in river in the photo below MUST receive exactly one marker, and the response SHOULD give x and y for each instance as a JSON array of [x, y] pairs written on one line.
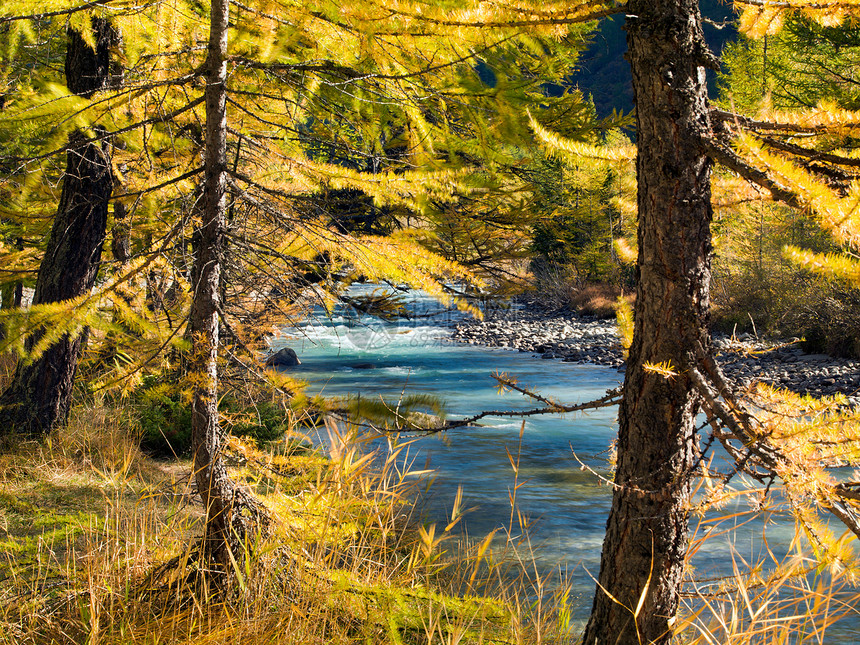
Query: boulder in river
[[285, 357]]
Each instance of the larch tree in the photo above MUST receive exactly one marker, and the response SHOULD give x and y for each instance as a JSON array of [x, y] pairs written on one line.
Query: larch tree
[[671, 370], [647, 531], [231, 515], [284, 102], [642, 563], [40, 394], [407, 93]]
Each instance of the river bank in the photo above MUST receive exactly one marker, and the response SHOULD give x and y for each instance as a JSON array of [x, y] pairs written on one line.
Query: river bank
[[566, 336]]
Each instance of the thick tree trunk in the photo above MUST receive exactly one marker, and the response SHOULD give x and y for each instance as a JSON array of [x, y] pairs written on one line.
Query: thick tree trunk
[[41, 392], [647, 531], [231, 514]]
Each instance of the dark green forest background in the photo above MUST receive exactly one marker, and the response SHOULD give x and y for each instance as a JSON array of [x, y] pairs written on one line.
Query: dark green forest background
[[605, 75]]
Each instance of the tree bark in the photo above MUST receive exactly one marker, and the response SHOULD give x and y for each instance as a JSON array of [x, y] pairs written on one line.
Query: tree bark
[[647, 532], [40, 394], [231, 514]]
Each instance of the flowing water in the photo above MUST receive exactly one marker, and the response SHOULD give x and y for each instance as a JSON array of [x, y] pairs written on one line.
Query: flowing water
[[358, 356]]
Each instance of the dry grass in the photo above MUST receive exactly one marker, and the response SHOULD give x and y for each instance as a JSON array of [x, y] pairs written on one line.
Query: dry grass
[[790, 599], [96, 547], [7, 370], [559, 289], [783, 586], [600, 300]]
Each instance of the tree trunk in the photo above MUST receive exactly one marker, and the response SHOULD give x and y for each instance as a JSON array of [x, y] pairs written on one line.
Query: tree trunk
[[647, 531], [231, 514], [41, 392]]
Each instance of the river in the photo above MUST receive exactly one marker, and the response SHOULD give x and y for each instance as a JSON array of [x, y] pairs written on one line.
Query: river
[[359, 356]]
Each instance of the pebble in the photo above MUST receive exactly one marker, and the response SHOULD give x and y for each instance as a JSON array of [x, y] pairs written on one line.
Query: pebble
[[582, 339]]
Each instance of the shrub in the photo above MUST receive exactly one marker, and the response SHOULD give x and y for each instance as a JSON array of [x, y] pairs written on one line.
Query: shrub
[[759, 301], [560, 287], [788, 302], [831, 324], [165, 418]]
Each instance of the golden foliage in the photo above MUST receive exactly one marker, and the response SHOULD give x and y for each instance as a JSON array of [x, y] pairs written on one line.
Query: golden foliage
[[762, 17], [574, 151], [624, 318]]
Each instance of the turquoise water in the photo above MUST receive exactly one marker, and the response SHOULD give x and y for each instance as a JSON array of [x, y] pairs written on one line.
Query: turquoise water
[[371, 359], [363, 357]]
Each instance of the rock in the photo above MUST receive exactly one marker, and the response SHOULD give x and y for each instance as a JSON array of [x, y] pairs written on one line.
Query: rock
[[581, 339], [285, 357], [816, 358]]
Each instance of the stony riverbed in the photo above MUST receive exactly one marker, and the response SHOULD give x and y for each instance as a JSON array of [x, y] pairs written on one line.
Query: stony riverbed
[[579, 339]]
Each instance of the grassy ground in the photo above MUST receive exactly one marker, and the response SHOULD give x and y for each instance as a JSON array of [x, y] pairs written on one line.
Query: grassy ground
[[97, 544]]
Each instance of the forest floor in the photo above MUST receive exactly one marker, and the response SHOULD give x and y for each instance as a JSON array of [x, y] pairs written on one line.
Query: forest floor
[[746, 360]]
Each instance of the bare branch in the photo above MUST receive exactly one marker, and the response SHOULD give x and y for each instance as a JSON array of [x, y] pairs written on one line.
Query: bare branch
[[613, 397], [809, 153], [152, 189], [758, 448]]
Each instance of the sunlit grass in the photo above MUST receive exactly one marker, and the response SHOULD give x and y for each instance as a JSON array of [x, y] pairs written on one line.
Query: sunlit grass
[[97, 545], [783, 590]]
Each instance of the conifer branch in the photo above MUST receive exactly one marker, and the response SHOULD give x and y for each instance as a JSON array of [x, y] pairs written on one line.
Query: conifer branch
[[324, 66], [182, 80], [243, 192], [164, 184], [330, 67], [732, 118], [795, 4], [252, 369], [846, 490], [547, 21], [142, 363], [109, 134], [270, 253], [67, 12], [758, 448], [739, 427], [732, 161], [809, 153], [254, 115]]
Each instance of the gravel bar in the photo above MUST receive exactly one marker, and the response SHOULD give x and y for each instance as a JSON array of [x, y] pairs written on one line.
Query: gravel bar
[[573, 338]]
